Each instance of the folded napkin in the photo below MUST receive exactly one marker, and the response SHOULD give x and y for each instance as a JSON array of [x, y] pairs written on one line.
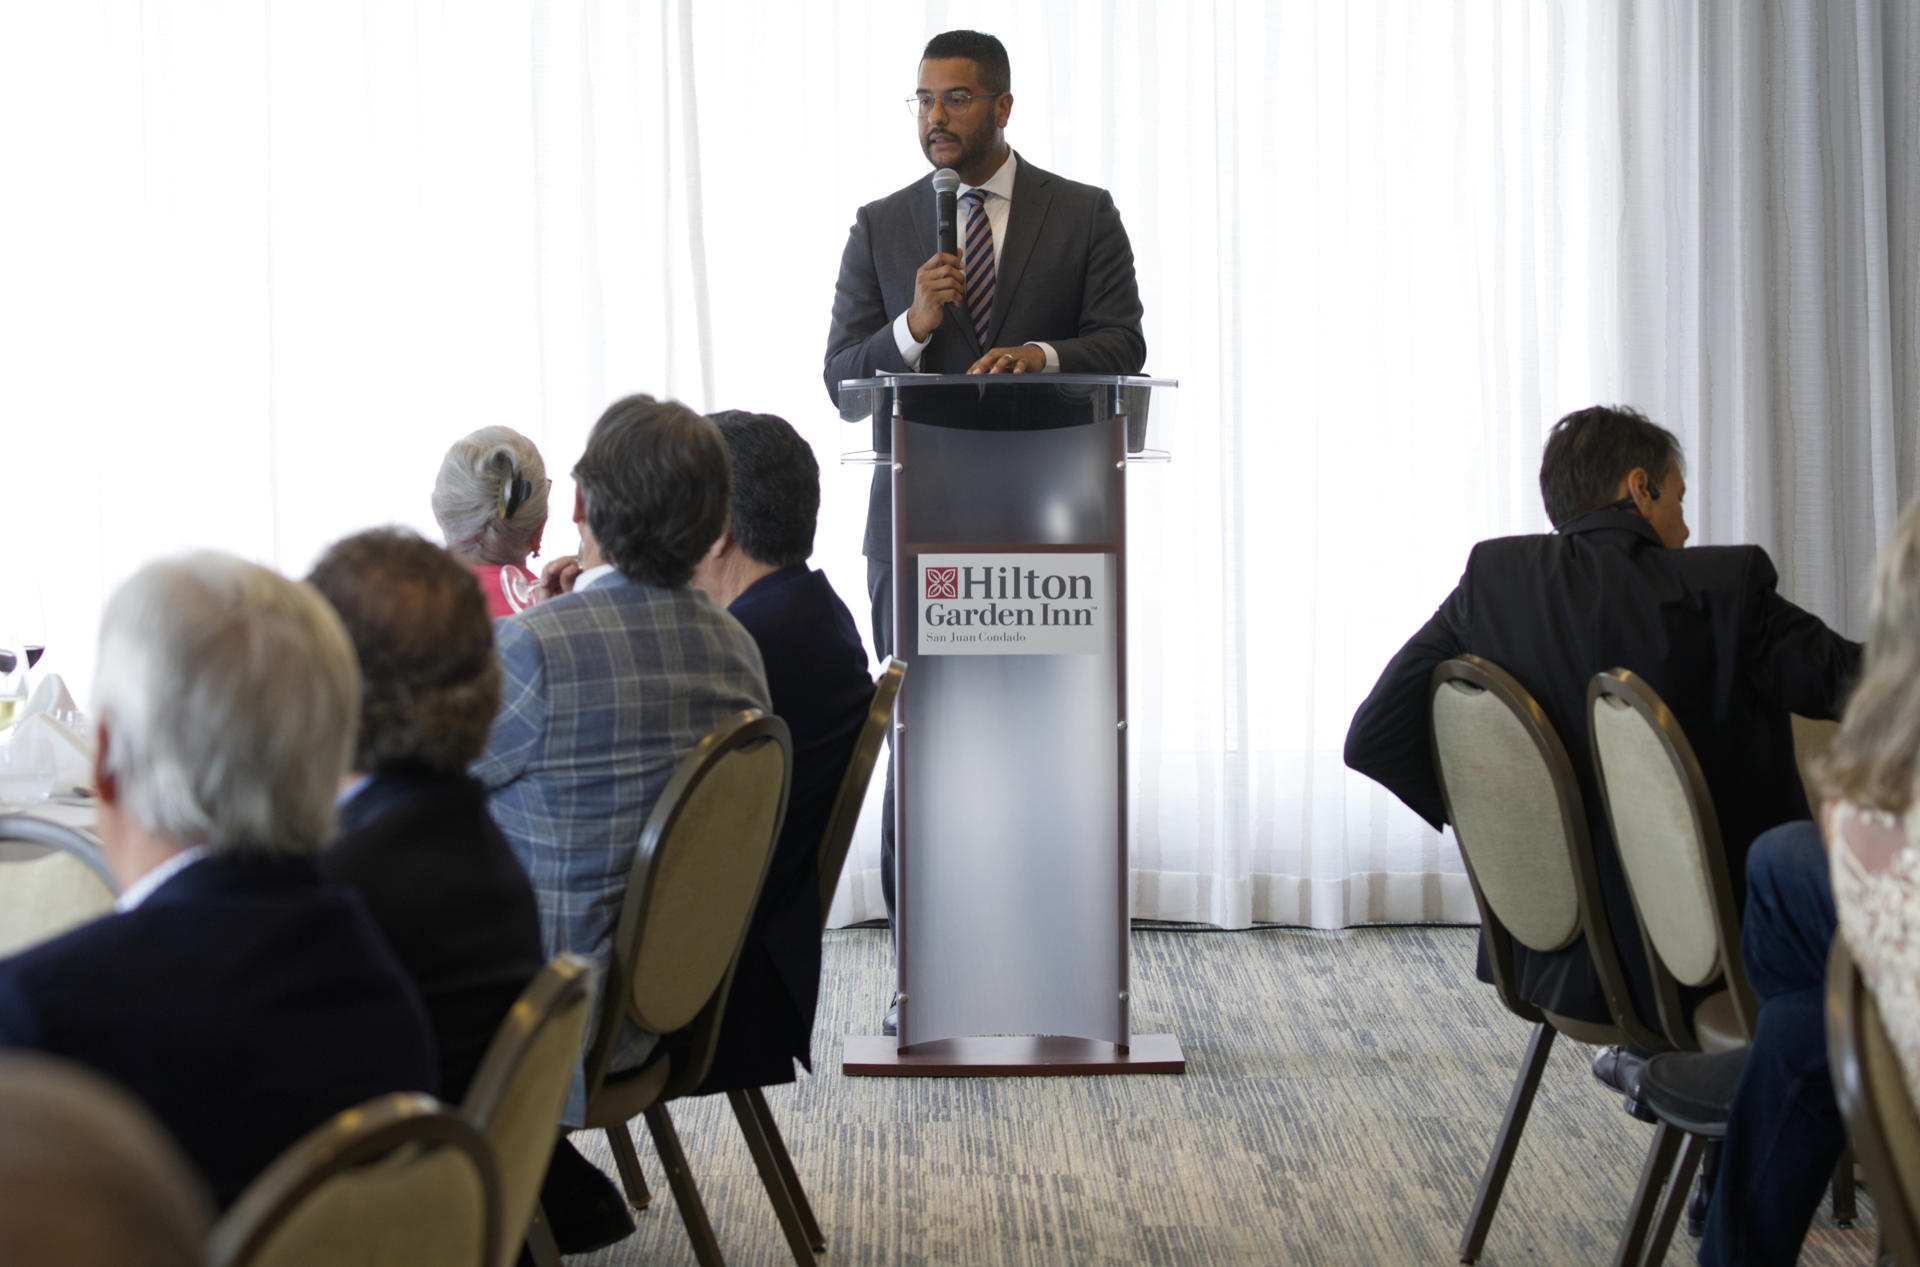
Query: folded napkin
[[54, 736]]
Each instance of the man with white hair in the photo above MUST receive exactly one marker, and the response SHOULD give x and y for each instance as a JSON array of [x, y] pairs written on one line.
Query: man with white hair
[[239, 998]]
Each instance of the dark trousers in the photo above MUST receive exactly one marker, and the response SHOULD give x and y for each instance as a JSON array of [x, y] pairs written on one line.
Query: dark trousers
[[880, 590], [1784, 1135]]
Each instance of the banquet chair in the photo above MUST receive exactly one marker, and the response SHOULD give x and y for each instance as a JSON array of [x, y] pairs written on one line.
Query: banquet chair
[[52, 877], [517, 1094], [702, 858], [1668, 837], [1514, 803], [1812, 736], [1883, 1128], [750, 1108], [399, 1181]]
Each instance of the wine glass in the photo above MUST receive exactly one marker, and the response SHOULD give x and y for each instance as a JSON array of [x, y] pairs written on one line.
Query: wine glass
[[13, 682]]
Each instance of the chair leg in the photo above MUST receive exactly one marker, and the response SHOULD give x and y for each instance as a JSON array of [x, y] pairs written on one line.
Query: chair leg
[[540, 1243], [771, 1178], [815, 1237], [1653, 1180], [1844, 1209], [1679, 1192], [1493, 1180], [628, 1162], [666, 1142]]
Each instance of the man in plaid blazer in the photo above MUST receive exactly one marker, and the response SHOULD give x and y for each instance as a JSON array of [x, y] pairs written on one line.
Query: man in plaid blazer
[[607, 685]]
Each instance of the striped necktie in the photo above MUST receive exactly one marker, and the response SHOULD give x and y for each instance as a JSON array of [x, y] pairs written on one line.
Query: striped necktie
[[979, 264]]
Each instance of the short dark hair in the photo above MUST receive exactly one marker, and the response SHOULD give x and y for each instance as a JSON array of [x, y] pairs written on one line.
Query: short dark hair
[[776, 487], [1591, 450], [429, 681], [654, 480], [984, 51]]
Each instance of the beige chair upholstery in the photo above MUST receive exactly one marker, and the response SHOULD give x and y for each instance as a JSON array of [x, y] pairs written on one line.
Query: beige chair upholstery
[[1883, 1128], [52, 878], [1668, 838], [519, 1090], [696, 876], [400, 1181], [750, 1108], [1811, 739], [1515, 808]]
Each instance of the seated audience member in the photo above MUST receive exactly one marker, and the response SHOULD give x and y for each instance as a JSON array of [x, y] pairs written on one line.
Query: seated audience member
[[87, 1177], [1612, 588], [490, 501], [817, 674], [607, 686], [413, 836], [236, 995], [1784, 1133]]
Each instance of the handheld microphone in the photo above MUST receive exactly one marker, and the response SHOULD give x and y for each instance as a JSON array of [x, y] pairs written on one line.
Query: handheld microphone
[[946, 183]]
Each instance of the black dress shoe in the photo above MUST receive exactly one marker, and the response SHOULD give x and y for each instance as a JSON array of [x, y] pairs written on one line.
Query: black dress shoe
[[1694, 1090], [891, 1025], [585, 1209], [1622, 1068]]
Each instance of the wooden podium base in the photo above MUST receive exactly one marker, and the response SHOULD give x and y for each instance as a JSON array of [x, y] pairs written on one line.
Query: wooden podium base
[[1008, 1056]]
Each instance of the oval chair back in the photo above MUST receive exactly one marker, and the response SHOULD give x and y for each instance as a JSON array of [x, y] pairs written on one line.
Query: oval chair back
[[1882, 1125], [838, 836], [1514, 804], [400, 1181], [702, 858], [521, 1086], [1668, 838], [52, 878]]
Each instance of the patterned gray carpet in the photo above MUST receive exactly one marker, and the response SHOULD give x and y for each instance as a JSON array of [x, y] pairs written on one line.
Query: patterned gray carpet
[[1341, 1095]]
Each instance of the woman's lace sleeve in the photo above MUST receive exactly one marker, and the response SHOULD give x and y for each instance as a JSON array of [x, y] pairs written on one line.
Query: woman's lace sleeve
[[1876, 890]]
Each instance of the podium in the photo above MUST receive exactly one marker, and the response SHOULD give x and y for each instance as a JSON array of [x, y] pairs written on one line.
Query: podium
[[1009, 497]]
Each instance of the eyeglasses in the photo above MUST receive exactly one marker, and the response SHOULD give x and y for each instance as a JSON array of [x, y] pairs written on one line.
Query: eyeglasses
[[957, 101]]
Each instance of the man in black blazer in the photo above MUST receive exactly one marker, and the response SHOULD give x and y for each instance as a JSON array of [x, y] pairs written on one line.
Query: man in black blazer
[[240, 998], [1612, 588], [817, 678]]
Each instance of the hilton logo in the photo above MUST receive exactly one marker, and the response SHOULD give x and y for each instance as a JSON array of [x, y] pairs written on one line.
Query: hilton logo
[[1014, 604]]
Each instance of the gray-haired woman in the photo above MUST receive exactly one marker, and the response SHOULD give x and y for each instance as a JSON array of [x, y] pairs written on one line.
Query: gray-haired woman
[[491, 503]]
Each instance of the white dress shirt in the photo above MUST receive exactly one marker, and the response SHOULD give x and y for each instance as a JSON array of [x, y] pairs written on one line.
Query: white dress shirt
[[593, 576], [143, 888], [999, 190]]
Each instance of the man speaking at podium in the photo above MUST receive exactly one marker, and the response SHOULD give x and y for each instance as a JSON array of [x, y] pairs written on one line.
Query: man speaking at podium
[[1041, 280]]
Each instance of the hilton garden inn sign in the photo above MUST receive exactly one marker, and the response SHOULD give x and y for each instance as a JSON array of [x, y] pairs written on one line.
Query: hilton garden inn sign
[[1014, 604]]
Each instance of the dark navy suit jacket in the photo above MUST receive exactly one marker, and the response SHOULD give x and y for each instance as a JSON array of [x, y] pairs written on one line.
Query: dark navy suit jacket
[[244, 1002], [817, 676], [451, 898], [1703, 626]]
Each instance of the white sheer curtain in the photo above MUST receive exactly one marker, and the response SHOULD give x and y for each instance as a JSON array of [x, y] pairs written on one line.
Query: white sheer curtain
[[261, 262]]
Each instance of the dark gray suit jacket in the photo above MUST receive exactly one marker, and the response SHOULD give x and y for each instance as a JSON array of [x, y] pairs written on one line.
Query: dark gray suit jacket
[[1066, 278]]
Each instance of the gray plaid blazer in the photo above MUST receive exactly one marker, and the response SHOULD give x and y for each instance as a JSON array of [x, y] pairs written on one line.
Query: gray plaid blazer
[[602, 692]]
